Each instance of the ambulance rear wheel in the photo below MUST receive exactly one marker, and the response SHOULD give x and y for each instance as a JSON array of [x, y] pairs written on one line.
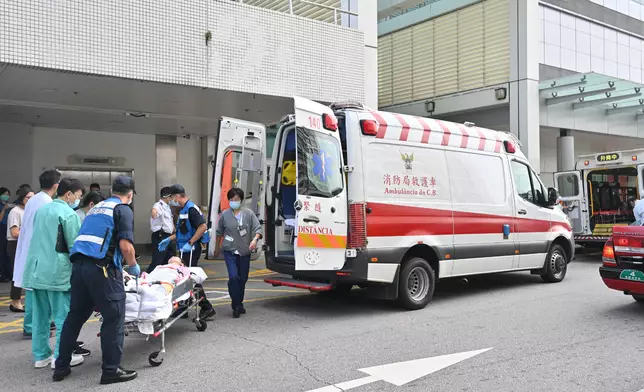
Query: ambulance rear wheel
[[556, 265], [416, 284], [639, 298]]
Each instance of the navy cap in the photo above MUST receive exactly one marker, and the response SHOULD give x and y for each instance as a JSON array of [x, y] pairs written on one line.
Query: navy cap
[[123, 184], [177, 189]]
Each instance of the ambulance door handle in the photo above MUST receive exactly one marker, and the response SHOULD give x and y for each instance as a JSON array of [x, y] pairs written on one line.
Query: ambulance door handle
[[523, 212], [311, 219]]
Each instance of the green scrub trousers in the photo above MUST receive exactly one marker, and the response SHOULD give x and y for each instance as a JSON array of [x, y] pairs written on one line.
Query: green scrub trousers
[[48, 305], [29, 312]]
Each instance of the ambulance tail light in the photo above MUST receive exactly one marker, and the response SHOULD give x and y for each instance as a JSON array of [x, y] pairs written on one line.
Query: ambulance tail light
[[329, 122], [608, 255], [369, 127], [509, 147], [357, 226]]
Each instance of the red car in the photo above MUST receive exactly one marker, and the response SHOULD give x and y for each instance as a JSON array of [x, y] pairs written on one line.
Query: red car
[[623, 261]]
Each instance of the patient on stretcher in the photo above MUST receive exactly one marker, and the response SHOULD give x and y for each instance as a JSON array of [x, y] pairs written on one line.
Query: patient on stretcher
[[168, 275]]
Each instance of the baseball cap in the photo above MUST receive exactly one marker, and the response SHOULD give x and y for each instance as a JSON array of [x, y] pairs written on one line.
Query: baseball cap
[[177, 189], [123, 184]]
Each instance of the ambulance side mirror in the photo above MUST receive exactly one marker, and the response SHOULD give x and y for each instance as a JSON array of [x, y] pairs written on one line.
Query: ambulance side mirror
[[552, 196]]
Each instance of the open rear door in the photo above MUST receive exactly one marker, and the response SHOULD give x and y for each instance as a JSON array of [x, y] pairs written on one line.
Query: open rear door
[[570, 187], [240, 161], [640, 181], [321, 201]]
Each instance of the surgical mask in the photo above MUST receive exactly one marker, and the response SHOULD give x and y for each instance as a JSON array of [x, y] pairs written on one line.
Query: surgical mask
[[173, 203], [235, 204], [4, 198], [75, 204]]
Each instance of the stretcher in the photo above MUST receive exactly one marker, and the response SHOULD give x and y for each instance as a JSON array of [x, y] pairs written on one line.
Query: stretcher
[[185, 296]]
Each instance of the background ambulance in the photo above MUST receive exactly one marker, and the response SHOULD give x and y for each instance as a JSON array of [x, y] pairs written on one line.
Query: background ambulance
[[392, 202], [596, 195]]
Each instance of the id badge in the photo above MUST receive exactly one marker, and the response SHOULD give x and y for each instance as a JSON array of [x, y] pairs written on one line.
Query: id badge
[[242, 232]]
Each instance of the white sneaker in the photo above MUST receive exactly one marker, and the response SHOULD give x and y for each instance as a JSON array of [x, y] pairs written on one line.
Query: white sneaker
[[43, 363], [76, 360]]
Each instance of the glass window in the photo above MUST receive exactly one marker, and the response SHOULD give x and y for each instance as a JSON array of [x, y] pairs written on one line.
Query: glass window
[[319, 163], [539, 191], [522, 183], [568, 184]]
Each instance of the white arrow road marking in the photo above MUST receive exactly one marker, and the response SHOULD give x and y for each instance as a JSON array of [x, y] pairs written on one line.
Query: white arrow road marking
[[218, 292], [401, 373]]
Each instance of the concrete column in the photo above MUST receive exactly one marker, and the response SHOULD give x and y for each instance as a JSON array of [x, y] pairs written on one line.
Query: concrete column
[[565, 151], [524, 77]]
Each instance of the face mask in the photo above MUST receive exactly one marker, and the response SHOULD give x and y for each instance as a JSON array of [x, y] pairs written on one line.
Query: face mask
[[4, 198], [173, 203], [75, 204], [235, 204]]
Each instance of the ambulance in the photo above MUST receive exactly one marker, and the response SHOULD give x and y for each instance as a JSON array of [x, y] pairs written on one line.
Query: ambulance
[[597, 195], [392, 202]]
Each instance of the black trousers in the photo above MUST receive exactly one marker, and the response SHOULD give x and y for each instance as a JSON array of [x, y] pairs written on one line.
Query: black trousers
[[160, 257], [91, 290], [16, 292]]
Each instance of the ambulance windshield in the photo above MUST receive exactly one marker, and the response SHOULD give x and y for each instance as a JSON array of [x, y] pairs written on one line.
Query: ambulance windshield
[[319, 162]]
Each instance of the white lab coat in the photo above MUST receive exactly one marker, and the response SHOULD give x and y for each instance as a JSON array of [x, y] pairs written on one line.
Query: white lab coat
[[26, 232]]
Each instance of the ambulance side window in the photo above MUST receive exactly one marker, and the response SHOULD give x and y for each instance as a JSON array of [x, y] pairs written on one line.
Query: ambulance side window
[[319, 162], [522, 181]]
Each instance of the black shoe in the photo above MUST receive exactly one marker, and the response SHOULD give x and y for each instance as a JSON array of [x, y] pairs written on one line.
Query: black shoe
[[60, 374], [80, 343], [120, 375], [15, 309], [236, 313], [207, 313], [242, 310], [82, 351]]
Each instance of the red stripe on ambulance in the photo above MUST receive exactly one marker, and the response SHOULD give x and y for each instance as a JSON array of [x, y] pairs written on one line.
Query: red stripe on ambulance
[[465, 137], [446, 132], [404, 132], [427, 131], [382, 125]]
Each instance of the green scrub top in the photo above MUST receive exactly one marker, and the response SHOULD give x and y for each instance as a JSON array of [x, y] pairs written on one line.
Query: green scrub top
[[47, 269]]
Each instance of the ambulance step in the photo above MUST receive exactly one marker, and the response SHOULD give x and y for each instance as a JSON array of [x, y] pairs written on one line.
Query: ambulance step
[[299, 284]]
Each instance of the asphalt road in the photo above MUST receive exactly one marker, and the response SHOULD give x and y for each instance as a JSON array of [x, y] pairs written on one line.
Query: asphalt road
[[573, 336]]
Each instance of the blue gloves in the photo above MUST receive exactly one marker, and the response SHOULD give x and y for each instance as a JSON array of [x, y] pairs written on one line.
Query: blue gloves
[[187, 248], [163, 245], [134, 270]]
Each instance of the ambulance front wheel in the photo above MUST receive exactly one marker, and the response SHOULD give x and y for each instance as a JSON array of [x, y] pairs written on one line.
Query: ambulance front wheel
[[556, 265], [416, 284]]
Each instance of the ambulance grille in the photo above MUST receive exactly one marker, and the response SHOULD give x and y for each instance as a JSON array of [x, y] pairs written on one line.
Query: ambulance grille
[[357, 226]]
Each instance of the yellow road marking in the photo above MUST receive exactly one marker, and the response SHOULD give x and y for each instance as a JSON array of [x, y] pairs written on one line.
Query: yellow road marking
[[20, 321]]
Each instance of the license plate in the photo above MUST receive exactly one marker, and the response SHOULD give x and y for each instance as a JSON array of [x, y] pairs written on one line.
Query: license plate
[[634, 275]]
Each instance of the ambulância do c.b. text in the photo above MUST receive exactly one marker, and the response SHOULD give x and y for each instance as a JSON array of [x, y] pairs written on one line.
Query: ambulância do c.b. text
[[391, 202]]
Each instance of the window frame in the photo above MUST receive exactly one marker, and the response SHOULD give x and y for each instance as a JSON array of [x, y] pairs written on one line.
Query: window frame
[[531, 173]]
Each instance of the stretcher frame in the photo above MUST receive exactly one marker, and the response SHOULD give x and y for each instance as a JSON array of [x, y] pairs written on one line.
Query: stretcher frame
[[161, 326]]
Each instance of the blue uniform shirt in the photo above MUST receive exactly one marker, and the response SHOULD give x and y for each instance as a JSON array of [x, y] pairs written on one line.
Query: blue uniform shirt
[[638, 211]]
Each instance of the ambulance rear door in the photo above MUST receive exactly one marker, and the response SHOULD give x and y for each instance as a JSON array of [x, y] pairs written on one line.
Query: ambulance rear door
[[640, 180], [239, 161], [321, 202], [570, 186]]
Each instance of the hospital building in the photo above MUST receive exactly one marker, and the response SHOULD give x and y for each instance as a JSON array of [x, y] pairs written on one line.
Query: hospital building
[[108, 87], [565, 76]]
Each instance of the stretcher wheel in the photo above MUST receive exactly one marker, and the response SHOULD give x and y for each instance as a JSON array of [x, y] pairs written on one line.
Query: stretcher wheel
[[201, 325], [154, 359]]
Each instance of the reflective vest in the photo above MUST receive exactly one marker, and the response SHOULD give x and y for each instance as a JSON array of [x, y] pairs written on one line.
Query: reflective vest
[[95, 236], [185, 231]]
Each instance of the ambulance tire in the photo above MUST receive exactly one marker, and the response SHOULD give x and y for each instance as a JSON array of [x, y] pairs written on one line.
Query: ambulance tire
[[556, 265], [416, 284]]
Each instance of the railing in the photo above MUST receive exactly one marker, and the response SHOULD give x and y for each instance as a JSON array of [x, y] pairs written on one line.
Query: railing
[[329, 11]]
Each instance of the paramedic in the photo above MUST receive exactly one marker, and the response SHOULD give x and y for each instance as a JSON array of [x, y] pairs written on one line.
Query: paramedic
[[189, 234], [638, 211], [240, 230], [162, 227], [48, 186], [106, 237], [89, 201], [48, 270]]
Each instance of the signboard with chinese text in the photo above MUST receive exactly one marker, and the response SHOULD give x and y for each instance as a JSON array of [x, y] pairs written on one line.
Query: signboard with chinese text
[[608, 157], [402, 172]]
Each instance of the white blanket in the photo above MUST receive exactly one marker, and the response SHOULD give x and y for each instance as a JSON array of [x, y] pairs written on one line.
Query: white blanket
[[151, 302]]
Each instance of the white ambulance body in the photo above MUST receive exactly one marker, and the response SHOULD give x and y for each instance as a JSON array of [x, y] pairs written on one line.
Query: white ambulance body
[[596, 195], [393, 202]]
